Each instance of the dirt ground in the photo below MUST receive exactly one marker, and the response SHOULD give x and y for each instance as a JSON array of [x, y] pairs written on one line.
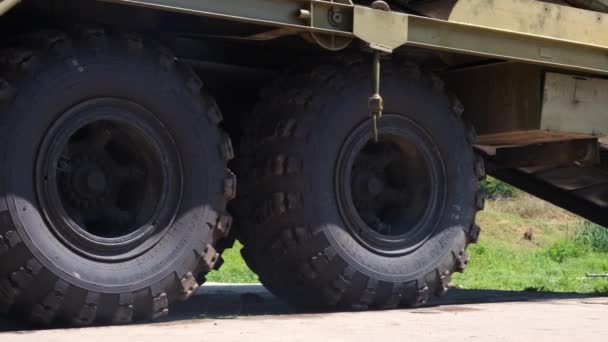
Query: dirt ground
[[250, 313]]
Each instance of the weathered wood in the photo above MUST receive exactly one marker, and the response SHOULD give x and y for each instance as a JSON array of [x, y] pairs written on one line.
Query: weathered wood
[[519, 138]]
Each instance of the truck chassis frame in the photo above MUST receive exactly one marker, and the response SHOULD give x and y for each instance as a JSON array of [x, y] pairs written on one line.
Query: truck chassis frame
[[386, 31]]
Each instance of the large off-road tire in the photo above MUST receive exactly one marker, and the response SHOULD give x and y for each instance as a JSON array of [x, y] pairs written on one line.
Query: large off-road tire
[[113, 178], [328, 220]]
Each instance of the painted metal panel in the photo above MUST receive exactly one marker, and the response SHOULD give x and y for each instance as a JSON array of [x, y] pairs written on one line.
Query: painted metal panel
[[507, 45], [274, 13], [517, 30], [6, 5], [575, 104], [535, 17]]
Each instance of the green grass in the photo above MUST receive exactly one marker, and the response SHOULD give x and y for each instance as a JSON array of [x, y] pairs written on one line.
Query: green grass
[[526, 244], [234, 269], [593, 236], [493, 188], [561, 267]]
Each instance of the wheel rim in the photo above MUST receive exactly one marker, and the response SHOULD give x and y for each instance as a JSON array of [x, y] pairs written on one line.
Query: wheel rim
[[391, 193], [109, 179]]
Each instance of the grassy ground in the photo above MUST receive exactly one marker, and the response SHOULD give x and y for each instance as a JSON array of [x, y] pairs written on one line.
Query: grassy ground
[[526, 244], [234, 269]]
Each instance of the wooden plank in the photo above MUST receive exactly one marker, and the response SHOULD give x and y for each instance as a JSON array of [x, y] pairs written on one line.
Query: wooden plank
[[499, 97], [521, 138], [552, 154]]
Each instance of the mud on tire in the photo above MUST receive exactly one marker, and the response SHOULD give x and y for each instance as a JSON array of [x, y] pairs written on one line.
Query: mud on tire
[[313, 233]]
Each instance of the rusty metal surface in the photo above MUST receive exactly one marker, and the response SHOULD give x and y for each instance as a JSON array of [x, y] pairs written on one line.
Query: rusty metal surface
[[547, 155], [581, 204], [579, 188], [527, 137], [597, 195], [574, 177]]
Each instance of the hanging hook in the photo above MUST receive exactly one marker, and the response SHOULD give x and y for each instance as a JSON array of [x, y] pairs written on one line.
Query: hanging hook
[[376, 103]]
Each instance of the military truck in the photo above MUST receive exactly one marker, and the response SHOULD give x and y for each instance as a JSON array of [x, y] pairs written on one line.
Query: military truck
[[358, 132]]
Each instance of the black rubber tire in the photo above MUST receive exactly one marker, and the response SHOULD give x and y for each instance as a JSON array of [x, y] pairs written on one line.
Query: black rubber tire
[[289, 222], [41, 279]]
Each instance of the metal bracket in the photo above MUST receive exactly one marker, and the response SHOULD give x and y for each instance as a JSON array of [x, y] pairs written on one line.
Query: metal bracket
[[505, 30], [334, 13], [379, 27], [376, 103]]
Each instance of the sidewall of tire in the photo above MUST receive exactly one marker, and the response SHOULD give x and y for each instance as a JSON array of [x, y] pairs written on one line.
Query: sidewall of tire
[[64, 85], [329, 124]]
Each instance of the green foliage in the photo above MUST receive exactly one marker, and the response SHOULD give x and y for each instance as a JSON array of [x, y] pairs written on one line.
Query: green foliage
[[602, 289], [494, 189], [593, 236], [565, 249], [234, 270], [589, 237], [561, 267], [556, 260]]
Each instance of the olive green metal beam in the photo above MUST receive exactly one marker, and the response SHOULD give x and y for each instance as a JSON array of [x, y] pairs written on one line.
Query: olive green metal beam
[[302, 15], [387, 31], [6, 5], [507, 45], [390, 30]]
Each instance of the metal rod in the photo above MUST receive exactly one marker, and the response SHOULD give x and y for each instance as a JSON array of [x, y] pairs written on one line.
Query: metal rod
[[376, 72], [593, 275], [376, 104]]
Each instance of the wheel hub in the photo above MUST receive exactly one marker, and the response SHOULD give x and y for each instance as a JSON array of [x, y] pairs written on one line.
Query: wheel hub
[[389, 190], [96, 181], [85, 180], [107, 179]]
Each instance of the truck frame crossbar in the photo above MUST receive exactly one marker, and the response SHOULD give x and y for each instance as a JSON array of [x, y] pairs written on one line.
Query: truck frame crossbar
[[307, 15], [388, 31]]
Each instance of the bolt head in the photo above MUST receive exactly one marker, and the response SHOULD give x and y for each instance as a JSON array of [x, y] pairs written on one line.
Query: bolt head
[[337, 17]]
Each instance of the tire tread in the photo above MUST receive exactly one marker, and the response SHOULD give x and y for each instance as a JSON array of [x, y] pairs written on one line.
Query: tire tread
[[269, 212], [22, 62]]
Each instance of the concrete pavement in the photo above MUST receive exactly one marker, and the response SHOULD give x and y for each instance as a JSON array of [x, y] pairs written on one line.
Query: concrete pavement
[[249, 313]]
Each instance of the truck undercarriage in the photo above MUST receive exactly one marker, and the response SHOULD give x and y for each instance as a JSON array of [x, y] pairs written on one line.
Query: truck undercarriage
[[358, 133]]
